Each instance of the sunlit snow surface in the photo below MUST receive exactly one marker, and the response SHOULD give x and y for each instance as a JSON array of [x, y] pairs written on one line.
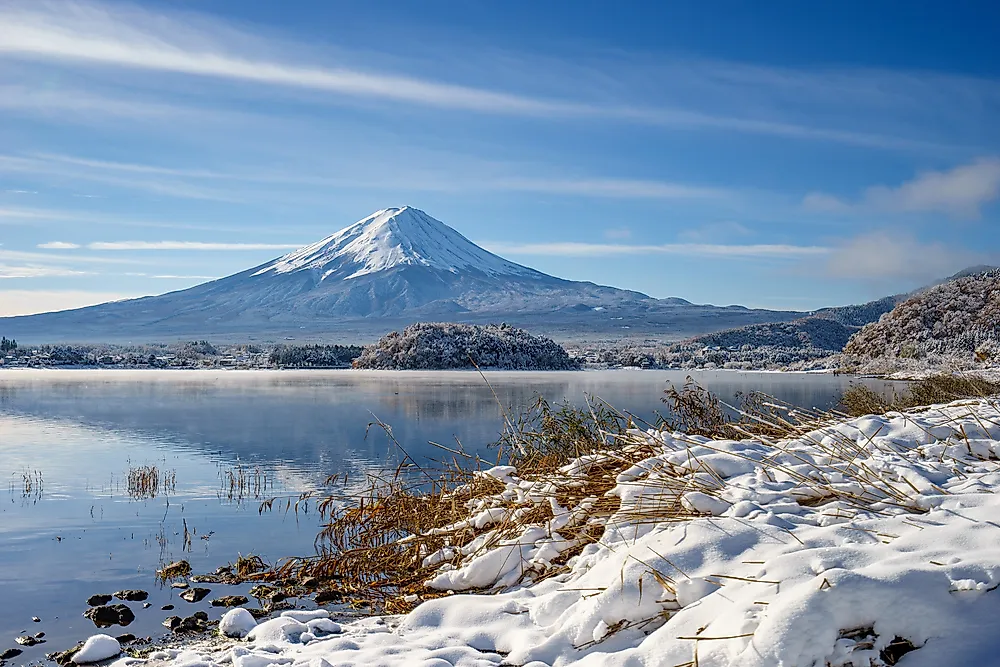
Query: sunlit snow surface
[[773, 574], [389, 238]]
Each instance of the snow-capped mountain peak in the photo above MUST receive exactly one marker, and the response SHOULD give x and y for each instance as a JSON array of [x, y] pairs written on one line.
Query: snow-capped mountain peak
[[389, 238]]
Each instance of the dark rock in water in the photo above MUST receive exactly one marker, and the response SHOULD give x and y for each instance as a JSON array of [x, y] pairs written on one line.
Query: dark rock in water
[[65, 657], [132, 595], [10, 653], [323, 597], [172, 622], [35, 619], [106, 616], [28, 640], [195, 594], [167, 607], [258, 613], [194, 623], [206, 579], [180, 568], [146, 605], [261, 591], [179, 584], [98, 600], [39, 635], [125, 615], [230, 601], [126, 638]]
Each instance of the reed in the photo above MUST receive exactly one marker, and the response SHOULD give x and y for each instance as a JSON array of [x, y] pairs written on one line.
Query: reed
[[859, 400], [383, 540], [239, 483], [148, 481]]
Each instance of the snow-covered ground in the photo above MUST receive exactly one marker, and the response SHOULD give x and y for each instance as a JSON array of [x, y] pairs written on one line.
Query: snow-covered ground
[[863, 542]]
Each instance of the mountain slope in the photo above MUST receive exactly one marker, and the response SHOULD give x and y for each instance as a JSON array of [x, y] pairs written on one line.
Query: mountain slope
[[960, 317], [396, 266]]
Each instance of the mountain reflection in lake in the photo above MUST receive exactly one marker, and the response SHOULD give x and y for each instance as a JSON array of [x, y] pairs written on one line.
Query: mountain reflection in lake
[[75, 435]]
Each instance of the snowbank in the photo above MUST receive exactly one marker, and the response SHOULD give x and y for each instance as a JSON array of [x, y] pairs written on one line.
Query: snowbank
[[864, 542], [96, 649]]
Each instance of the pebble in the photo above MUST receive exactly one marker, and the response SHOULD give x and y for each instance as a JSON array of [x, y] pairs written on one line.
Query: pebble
[[35, 619]]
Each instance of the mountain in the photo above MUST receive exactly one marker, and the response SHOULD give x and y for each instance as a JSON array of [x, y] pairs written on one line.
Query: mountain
[[959, 318], [394, 267]]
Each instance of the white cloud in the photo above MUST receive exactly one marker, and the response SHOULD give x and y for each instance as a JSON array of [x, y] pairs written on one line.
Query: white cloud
[[885, 256], [58, 245], [713, 232], [124, 36], [173, 277], [573, 249], [960, 192], [608, 187], [33, 271], [29, 302], [619, 233], [187, 245]]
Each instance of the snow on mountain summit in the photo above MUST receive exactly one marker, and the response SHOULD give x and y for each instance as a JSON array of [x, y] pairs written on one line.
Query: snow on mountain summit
[[389, 238]]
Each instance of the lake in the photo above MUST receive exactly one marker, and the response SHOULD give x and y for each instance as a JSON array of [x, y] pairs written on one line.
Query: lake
[[71, 524]]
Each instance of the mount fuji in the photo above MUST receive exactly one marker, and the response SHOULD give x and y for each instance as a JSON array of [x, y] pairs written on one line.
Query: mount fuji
[[396, 266]]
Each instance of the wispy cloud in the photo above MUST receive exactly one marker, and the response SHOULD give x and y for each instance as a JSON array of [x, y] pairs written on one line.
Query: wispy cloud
[[618, 233], [57, 258], [715, 231], [9, 271], [885, 256], [187, 245], [73, 173], [58, 245], [29, 302], [960, 192], [573, 249], [123, 36]]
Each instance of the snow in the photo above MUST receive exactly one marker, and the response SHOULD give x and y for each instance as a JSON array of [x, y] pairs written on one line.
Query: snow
[[96, 649], [389, 238], [815, 550], [237, 623]]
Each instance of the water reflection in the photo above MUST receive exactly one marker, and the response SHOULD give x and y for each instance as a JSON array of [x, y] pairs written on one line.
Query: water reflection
[[77, 531]]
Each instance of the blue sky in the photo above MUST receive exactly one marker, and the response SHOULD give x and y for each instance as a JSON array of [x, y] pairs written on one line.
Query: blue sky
[[781, 154]]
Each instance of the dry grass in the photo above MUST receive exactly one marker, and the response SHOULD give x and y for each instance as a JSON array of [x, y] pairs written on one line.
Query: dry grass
[[146, 482], [374, 542], [859, 400], [240, 483]]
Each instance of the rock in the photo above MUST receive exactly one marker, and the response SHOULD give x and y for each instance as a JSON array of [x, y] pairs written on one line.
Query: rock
[[179, 584], [230, 601], [172, 622], [200, 615], [10, 653], [146, 605], [98, 600], [180, 568], [65, 657], [258, 613], [39, 635], [324, 597], [28, 640], [237, 623], [96, 649], [260, 591], [106, 616], [195, 594], [132, 595], [167, 607], [195, 623], [35, 619], [206, 579], [126, 638]]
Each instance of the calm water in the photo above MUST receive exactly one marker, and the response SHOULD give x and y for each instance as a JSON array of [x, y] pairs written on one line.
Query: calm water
[[76, 434]]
